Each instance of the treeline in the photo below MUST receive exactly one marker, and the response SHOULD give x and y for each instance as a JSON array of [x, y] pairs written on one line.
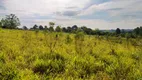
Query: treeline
[[137, 32], [12, 22]]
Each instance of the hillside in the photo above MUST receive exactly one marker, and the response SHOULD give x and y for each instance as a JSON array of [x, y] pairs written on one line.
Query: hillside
[[41, 55]]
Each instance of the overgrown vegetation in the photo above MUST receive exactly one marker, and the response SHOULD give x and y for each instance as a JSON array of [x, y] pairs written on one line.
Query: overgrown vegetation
[[43, 55], [48, 53]]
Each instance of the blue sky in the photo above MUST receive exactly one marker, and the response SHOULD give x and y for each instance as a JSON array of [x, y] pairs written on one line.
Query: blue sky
[[102, 14]]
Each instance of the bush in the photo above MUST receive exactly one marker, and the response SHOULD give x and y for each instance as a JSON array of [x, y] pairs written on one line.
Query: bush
[[49, 64], [79, 38], [68, 39]]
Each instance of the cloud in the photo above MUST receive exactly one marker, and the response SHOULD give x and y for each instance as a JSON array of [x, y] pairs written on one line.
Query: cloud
[[42, 7], [71, 13], [103, 14], [116, 7]]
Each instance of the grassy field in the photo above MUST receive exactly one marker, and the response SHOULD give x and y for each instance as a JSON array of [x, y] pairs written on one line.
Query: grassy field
[[40, 55]]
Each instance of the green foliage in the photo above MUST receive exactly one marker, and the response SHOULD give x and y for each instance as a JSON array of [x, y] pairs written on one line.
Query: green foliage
[[138, 31], [40, 55], [51, 29], [68, 39], [49, 64], [51, 24], [25, 28], [118, 31], [10, 21], [79, 38], [41, 27], [8, 72], [45, 27], [58, 29], [0, 24], [2, 58], [35, 27]]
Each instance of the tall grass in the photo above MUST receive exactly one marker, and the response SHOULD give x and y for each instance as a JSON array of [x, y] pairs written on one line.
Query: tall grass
[[39, 55]]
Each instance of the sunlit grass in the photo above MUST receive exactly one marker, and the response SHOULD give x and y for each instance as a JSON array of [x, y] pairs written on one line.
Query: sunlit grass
[[40, 55]]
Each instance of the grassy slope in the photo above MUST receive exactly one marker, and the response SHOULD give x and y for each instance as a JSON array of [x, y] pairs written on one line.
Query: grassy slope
[[30, 55]]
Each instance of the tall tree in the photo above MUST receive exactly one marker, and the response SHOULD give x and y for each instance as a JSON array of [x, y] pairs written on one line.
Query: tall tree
[[87, 30], [58, 29], [25, 28], [35, 27], [64, 29], [74, 27], [0, 24], [10, 21], [41, 27], [141, 31], [51, 29], [51, 24], [69, 29], [118, 31], [137, 31], [45, 27]]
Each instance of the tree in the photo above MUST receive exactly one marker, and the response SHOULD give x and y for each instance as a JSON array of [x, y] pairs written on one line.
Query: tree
[[97, 31], [137, 31], [41, 27], [35, 27], [74, 27], [123, 31], [64, 29], [0, 24], [45, 27], [51, 24], [25, 28], [10, 21], [118, 31], [69, 29], [51, 29], [58, 29], [87, 30], [141, 31]]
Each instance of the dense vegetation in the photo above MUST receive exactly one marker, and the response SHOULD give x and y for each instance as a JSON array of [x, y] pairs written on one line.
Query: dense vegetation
[[43, 53]]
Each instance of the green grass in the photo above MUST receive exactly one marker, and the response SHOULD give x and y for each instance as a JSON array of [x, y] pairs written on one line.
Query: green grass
[[39, 55]]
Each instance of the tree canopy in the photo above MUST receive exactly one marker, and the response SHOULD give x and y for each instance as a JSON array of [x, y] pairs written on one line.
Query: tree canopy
[[118, 31], [10, 21]]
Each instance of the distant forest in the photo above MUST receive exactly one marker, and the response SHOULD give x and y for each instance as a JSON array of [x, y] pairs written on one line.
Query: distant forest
[[12, 22]]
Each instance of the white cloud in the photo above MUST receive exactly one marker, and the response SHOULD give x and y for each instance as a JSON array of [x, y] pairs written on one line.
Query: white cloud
[[43, 7], [116, 7], [27, 11]]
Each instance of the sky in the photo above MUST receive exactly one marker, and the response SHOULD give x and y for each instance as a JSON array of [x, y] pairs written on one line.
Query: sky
[[102, 14]]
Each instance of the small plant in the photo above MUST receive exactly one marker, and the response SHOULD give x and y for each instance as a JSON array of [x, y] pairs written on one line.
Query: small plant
[[79, 38], [68, 39], [8, 72]]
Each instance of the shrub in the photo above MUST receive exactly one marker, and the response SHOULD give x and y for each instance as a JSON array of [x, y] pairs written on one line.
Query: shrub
[[68, 39], [79, 38], [49, 64]]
